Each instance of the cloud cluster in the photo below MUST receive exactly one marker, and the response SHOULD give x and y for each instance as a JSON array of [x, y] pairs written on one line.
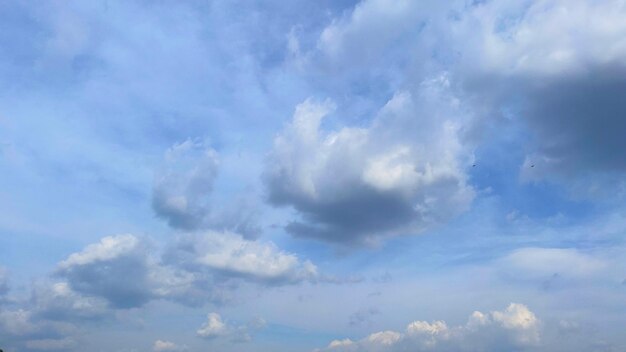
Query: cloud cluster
[[559, 66], [514, 328], [399, 175], [125, 272], [553, 69]]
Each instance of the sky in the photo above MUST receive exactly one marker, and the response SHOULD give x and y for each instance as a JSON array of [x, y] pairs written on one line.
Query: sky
[[330, 175]]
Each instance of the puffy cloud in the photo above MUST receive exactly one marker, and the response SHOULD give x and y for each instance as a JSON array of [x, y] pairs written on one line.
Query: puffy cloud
[[554, 68], [559, 67], [182, 193], [231, 256], [514, 328], [167, 346], [215, 327], [399, 175], [117, 269], [123, 272], [57, 301]]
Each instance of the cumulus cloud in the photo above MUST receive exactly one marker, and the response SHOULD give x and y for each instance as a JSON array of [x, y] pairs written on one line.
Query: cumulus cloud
[[231, 256], [215, 327], [559, 66], [514, 328], [117, 269], [399, 175], [554, 68], [124, 271], [57, 301], [182, 193]]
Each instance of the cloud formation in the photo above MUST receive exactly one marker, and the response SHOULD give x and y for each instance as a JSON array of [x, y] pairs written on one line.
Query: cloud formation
[[182, 193], [399, 175], [126, 272], [215, 328], [514, 328]]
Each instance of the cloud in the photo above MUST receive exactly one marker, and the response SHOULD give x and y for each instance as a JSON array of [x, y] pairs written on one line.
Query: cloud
[[399, 175], [514, 328], [167, 346], [57, 301], [4, 283], [182, 193], [117, 268], [229, 255], [552, 69], [558, 66], [126, 272], [182, 188], [215, 327]]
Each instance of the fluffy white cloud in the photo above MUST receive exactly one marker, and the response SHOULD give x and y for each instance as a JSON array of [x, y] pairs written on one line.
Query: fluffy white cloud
[[117, 268], [514, 328], [215, 327], [399, 175], [126, 272], [230, 255], [555, 68]]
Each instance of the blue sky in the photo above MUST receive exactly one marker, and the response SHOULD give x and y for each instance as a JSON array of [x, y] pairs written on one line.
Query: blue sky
[[301, 175]]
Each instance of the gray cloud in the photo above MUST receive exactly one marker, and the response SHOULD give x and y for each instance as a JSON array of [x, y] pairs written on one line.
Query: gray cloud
[[117, 269], [183, 186], [400, 175], [123, 271], [182, 193]]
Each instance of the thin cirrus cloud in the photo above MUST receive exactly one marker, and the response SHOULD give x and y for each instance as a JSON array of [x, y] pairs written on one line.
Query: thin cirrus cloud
[[358, 185]]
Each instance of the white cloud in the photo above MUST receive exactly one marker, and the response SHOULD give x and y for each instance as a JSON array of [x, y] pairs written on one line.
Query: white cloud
[[231, 255], [401, 174], [167, 346], [514, 328], [126, 272], [215, 327]]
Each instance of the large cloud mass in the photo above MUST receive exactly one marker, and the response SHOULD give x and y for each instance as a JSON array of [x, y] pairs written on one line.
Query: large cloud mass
[[399, 175], [125, 271]]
